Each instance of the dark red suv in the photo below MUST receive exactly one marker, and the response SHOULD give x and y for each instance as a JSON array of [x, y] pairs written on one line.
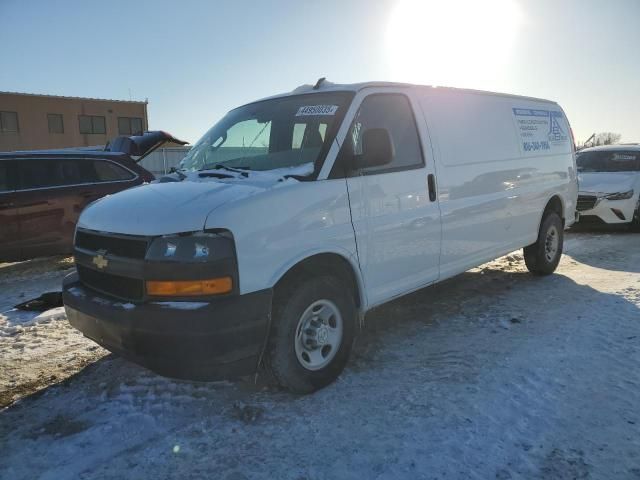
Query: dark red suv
[[43, 192]]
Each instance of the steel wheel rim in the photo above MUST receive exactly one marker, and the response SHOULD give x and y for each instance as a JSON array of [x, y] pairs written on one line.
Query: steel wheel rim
[[318, 335], [551, 243]]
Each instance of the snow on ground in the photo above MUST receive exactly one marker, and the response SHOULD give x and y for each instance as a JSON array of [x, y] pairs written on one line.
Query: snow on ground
[[37, 349], [492, 374]]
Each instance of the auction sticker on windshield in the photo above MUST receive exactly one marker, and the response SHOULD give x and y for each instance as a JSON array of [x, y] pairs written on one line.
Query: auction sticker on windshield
[[308, 110], [541, 131]]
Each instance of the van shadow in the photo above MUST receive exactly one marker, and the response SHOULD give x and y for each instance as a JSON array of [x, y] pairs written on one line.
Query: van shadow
[[599, 228], [474, 294], [586, 246]]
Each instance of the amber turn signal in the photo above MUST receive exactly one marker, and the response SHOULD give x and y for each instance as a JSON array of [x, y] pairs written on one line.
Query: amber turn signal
[[189, 288]]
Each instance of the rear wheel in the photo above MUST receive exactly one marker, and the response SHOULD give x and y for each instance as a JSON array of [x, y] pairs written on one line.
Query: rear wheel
[[314, 324], [543, 257]]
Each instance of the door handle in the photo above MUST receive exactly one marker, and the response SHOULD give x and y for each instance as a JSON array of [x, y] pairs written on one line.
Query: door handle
[[431, 182], [7, 205]]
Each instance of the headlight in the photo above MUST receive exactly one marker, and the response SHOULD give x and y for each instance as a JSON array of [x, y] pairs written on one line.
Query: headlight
[[191, 264], [620, 196], [193, 247]]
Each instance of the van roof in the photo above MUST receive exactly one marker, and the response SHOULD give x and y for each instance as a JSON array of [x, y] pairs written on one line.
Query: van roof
[[326, 86]]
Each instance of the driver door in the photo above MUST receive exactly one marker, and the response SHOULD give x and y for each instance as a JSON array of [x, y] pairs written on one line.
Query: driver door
[[395, 217]]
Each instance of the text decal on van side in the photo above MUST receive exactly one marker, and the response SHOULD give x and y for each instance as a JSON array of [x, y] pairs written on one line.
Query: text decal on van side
[[541, 130], [317, 110]]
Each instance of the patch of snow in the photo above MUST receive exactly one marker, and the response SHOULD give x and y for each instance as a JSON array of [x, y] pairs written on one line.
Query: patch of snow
[[101, 301], [124, 306], [257, 178], [15, 321], [76, 292], [181, 305]]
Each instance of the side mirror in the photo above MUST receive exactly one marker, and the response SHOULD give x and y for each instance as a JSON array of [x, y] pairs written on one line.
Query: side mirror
[[377, 149]]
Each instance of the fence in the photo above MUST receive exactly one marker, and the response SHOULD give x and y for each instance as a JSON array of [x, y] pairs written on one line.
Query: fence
[[160, 161]]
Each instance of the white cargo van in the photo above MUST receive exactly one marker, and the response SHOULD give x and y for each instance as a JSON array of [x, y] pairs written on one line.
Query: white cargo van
[[295, 215]]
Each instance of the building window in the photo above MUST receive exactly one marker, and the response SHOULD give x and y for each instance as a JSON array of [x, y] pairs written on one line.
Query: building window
[[8, 122], [92, 124], [129, 126], [55, 123]]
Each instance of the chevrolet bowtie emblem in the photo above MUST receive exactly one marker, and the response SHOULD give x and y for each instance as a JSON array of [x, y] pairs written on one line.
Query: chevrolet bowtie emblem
[[100, 262]]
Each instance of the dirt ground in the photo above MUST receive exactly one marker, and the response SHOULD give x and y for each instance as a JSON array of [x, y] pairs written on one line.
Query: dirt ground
[[492, 374], [37, 350]]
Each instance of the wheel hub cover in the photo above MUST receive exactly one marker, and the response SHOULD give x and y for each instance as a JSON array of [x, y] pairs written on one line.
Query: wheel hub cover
[[323, 335]]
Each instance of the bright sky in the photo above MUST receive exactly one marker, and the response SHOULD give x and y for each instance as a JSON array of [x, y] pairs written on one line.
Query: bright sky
[[195, 60]]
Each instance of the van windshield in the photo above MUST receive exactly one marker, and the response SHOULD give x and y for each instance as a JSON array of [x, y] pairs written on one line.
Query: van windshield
[[272, 134], [608, 161]]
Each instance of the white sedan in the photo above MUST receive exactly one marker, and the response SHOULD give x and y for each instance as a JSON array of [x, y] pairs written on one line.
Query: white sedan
[[609, 184]]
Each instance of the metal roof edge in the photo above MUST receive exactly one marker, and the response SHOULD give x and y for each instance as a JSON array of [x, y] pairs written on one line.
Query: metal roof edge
[[73, 98]]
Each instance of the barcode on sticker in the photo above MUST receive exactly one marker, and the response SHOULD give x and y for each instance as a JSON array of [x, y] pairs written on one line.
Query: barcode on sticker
[[317, 110]]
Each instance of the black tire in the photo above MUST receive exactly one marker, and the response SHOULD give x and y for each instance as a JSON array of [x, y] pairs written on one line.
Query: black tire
[[635, 223], [539, 257], [290, 303]]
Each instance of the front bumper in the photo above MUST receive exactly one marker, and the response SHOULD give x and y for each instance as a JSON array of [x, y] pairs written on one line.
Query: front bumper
[[613, 211], [189, 340]]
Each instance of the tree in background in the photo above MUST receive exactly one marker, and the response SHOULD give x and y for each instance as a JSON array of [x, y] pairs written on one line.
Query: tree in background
[[607, 138], [603, 138]]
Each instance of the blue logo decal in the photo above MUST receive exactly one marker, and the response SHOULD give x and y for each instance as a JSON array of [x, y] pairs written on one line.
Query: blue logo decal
[[556, 133]]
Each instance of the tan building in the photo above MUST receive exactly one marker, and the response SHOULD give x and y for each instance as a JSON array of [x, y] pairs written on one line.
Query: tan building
[[31, 122]]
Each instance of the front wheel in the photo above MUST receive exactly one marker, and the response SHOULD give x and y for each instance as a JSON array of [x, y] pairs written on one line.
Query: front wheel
[[542, 257], [313, 327]]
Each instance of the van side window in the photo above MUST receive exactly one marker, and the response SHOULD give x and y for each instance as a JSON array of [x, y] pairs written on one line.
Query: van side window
[[393, 112], [303, 134]]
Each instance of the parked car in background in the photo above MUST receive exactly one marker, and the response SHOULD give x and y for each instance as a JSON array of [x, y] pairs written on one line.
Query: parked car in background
[[295, 215], [609, 184], [43, 192]]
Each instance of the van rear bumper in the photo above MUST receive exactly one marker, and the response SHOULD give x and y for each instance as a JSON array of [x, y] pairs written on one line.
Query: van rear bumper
[[187, 340]]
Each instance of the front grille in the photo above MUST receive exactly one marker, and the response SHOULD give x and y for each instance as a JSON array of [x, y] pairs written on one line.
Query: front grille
[[115, 285], [586, 202], [121, 245]]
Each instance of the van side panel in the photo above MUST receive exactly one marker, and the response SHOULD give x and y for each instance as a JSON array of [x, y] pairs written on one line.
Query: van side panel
[[492, 192], [285, 226]]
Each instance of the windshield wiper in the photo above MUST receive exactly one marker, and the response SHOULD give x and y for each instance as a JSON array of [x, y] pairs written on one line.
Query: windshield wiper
[[241, 170], [300, 178], [208, 173], [178, 171]]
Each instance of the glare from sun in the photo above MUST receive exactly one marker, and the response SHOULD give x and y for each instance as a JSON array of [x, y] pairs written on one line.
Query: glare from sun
[[460, 43]]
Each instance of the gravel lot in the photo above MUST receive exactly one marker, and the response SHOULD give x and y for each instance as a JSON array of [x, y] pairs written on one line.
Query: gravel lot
[[492, 374]]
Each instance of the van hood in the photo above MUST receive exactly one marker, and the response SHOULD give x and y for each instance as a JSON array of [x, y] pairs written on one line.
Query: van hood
[[161, 208], [601, 182], [168, 207]]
